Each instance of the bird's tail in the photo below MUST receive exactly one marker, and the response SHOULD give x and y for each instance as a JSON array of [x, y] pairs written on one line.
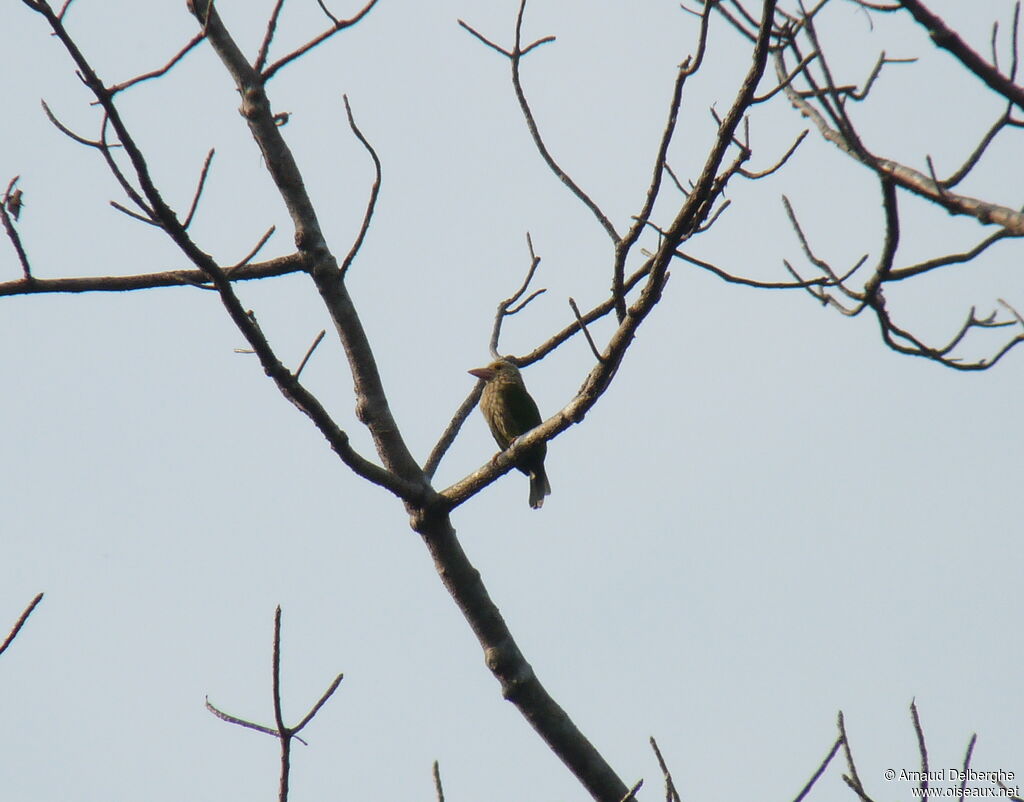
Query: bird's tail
[[539, 488]]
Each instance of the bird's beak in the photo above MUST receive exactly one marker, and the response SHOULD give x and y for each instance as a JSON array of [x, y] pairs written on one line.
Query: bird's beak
[[482, 373]]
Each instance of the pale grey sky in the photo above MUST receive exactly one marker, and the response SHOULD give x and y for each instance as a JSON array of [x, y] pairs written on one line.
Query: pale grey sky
[[770, 516]]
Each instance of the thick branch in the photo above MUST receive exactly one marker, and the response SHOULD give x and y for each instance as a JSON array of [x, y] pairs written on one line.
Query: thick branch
[[950, 41], [371, 404], [519, 684]]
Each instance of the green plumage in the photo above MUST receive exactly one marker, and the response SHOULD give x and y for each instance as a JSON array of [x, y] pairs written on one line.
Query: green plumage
[[510, 412]]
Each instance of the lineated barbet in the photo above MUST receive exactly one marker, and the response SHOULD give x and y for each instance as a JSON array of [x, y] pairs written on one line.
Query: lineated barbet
[[510, 412]]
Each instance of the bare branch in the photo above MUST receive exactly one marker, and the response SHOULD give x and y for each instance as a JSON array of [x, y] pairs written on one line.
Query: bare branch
[[255, 250], [9, 228], [788, 79], [948, 39], [747, 282], [967, 765], [81, 140], [586, 332], [754, 175], [309, 353], [507, 308], [136, 216], [437, 782], [625, 245], [339, 25], [371, 204], [515, 57], [249, 725], [1012, 311], [330, 16], [1011, 796], [466, 26], [901, 273], [889, 246], [199, 189], [147, 281], [852, 779], [979, 150], [400, 469], [631, 793], [820, 770], [195, 40], [319, 704], [20, 622], [675, 180], [671, 794], [819, 263], [882, 61], [907, 177], [921, 748], [268, 36], [452, 430]]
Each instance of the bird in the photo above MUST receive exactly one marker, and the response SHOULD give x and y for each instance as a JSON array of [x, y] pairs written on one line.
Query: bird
[[510, 412]]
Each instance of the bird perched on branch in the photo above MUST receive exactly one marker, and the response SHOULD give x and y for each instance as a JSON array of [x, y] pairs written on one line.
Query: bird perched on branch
[[510, 412]]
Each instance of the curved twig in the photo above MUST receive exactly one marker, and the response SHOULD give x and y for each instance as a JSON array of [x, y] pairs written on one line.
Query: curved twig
[[371, 203]]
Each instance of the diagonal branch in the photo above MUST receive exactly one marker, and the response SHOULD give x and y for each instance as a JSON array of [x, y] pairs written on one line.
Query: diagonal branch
[[949, 40], [20, 623], [339, 25], [195, 40]]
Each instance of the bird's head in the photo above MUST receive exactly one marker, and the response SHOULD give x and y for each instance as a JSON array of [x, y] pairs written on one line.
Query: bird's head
[[500, 369]]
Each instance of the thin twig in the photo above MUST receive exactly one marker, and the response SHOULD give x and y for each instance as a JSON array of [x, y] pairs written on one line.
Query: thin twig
[[309, 353], [586, 331], [136, 216], [921, 748], [754, 175], [631, 793], [371, 204], [505, 308], [820, 770], [671, 794], [12, 233], [452, 430], [195, 40], [437, 782], [950, 259], [241, 722], [255, 250], [81, 140], [199, 189], [339, 25], [330, 16], [515, 57], [20, 622], [967, 764], [268, 36], [747, 282], [319, 703]]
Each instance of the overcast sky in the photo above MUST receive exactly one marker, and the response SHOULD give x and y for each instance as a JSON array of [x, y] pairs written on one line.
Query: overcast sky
[[769, 518]]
